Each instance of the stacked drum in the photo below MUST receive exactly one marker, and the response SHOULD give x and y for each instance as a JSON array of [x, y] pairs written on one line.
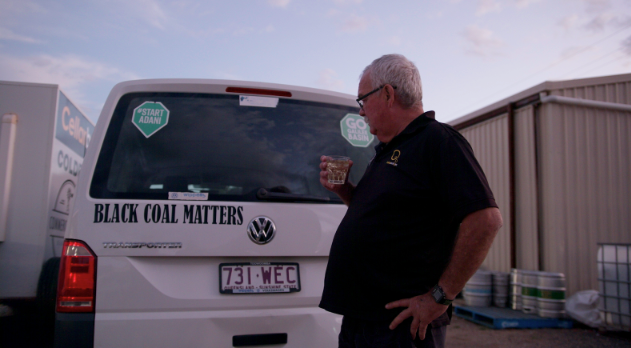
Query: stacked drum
[[478, 290], [500, 288], [551, 295], [536, 292], [529, 281], [515, 289]]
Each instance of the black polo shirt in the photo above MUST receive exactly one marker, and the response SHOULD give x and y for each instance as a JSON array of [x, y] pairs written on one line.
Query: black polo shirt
[[398, 233]]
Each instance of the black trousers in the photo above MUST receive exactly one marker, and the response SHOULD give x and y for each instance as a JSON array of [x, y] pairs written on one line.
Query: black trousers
[[358, 333]]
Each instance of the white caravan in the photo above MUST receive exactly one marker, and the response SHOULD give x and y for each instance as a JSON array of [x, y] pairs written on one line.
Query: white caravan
[[200, 220], [43, 139]]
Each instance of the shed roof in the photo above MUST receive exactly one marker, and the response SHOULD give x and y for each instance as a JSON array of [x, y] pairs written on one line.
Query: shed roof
[[531, 94]]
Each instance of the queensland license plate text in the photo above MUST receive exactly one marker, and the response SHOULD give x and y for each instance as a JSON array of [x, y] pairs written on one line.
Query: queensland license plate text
[[259, 278]]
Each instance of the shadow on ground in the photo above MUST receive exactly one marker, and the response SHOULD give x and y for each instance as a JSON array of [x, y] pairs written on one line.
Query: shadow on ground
[[28, 327]]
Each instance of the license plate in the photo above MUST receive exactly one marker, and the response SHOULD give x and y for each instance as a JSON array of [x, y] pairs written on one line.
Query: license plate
[[259, 278]]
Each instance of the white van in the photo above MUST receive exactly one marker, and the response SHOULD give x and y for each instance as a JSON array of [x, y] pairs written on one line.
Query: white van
[[199, 219]]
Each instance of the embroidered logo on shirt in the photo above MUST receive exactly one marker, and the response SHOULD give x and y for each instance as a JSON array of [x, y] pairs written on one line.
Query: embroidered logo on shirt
[[394, 158]]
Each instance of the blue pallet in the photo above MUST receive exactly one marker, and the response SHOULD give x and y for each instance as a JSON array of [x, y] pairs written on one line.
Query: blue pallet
[[505, 318]]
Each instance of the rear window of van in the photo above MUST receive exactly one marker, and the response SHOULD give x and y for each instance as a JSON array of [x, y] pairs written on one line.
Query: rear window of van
[[214, 145]]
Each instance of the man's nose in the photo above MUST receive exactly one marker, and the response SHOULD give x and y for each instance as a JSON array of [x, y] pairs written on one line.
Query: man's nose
[[361, 112]]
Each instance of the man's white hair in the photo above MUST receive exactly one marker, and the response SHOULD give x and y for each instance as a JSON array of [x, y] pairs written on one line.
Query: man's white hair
[[396, 70]]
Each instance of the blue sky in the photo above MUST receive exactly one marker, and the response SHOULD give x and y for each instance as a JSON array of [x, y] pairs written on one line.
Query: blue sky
[[470, 53]]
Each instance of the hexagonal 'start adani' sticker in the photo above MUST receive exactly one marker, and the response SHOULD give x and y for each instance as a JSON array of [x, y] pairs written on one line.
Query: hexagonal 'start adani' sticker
[[356, 131], [150, 117]]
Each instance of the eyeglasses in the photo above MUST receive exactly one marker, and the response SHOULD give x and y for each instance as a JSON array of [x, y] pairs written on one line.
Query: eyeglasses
[[360, 100]]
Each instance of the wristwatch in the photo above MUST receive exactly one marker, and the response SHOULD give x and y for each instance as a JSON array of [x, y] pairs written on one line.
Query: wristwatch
[[439, 296]]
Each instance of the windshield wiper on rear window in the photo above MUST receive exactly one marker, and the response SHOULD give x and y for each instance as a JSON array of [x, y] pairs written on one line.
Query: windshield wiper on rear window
[[265, 194]]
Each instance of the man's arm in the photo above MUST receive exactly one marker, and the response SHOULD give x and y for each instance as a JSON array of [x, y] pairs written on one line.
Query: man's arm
[[473, 241]]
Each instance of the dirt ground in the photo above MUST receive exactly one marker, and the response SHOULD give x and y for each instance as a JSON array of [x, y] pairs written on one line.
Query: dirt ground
[[464, 333], [27, 330]]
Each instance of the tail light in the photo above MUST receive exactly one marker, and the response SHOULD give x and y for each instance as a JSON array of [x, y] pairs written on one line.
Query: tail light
[[77, 278], [258, 91]]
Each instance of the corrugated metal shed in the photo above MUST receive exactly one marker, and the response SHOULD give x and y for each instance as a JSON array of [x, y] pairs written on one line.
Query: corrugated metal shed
[[557, 158], [491, 139]]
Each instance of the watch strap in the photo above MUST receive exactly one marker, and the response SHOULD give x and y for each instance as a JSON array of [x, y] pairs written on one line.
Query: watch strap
[[439, 296]]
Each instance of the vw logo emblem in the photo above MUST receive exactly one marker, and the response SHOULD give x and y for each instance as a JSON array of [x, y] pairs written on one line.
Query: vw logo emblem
[[261, 230]]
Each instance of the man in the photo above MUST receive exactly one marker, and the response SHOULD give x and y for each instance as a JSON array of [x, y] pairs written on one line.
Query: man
[[419, 223]]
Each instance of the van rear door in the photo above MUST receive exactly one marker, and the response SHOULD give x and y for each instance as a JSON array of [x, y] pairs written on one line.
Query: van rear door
[[208, 220]]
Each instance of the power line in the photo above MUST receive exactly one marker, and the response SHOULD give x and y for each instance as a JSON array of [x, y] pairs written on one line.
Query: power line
[[551, 65], [600, 66], [591, 62]]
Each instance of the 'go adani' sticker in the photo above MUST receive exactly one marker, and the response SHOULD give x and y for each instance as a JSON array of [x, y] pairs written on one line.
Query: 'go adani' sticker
[[356, 131], [150, 117]]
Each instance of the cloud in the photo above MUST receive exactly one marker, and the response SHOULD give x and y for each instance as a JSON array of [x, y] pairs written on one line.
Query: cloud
[[153, 13], [328, 80], [8, 34], [569, 22], [600, 21], [597, 5], [355, 24], [279, 3], [348, 2], [597, 23], [486, 6], [149, 11], [482, 42], [10, 7], [71, 72], [525, 3]]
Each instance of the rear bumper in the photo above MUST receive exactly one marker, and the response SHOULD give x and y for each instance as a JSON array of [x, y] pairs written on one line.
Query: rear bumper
[[300, 327], [74, 330]]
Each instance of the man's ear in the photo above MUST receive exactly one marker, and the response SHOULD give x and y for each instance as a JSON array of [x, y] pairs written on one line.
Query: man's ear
[[389, 94]]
